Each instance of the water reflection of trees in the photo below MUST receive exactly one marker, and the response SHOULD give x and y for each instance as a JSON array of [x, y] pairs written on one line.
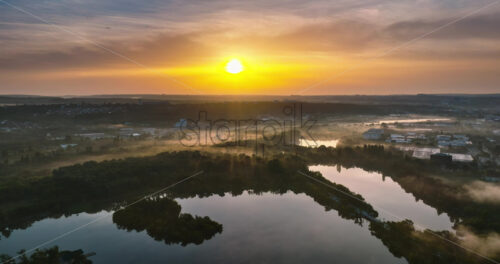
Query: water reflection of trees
[[422, 247], [415, 176], [48, 256], [162, 220], [91, 187]]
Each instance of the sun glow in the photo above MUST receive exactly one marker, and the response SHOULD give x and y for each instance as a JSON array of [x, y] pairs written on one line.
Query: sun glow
[[234, 73], [234, 66]]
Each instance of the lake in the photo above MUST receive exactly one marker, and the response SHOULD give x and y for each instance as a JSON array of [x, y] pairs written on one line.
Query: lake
[[391, 201], [257, 228]]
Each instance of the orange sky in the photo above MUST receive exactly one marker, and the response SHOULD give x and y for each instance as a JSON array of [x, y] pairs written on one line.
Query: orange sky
[[292, 47]]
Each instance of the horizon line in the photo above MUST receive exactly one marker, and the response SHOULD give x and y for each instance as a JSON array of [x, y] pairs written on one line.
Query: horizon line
[[244, 95]]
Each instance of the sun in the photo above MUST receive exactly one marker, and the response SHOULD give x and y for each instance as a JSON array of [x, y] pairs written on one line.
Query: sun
[[234, 66]]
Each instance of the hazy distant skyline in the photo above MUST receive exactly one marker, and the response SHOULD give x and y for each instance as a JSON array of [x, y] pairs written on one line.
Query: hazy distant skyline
[[286, 46]]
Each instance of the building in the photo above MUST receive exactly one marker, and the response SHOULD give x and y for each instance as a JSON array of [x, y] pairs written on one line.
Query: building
[[443, 144], [425, 153], [443, 138], [373, 134], [415, 136], [461, 137], [460, 157], [452, 143], [458, 143], [441, 158], [397, 138]]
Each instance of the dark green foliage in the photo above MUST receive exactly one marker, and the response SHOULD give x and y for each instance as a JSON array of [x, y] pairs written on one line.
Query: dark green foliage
[[92, 186], [275, 166], [48, 256], [413, 176], [422, 247], [162, 219]]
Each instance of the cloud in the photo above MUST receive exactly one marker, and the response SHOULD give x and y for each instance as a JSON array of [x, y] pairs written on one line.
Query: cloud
[[163, 50], [475, 27], [330, 35], [341, 35]]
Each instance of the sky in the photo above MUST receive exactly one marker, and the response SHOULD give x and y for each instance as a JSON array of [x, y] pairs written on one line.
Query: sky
[[287, 47]]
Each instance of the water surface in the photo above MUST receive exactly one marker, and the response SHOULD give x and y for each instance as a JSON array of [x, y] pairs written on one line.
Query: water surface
[[266, 228], [391, 201], [256, 228]]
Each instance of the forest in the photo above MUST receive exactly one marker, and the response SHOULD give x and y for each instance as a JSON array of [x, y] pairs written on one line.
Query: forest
[[112, 185]]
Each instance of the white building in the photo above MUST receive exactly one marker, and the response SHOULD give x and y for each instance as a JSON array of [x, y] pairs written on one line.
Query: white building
[[425, 153], [461, 157]]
